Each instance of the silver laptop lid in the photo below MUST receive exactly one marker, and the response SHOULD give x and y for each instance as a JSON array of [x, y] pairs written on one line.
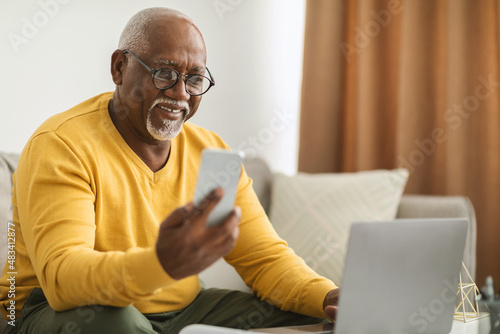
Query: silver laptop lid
[[401, 276]]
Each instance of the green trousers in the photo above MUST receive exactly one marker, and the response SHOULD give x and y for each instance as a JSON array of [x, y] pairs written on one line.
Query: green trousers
[[218, 307]]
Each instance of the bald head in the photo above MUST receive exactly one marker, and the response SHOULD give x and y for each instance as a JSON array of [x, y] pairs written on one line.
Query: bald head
[[136, 34]]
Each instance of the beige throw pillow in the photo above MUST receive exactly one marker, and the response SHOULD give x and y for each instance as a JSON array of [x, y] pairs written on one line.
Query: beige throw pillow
[[313, 212]]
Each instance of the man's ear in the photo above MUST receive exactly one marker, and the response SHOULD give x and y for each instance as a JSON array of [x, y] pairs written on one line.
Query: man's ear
[[117, 64]]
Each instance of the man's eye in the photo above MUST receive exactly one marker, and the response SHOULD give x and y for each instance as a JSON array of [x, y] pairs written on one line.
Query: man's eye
[[195, 81], [165, 75]]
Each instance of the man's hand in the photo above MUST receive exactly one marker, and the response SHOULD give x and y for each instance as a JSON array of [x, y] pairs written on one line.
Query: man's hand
[[330, 303], [186, 246]]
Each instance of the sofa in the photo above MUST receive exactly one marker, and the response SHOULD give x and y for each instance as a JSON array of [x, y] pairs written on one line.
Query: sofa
[[409, 206], [221, 274]]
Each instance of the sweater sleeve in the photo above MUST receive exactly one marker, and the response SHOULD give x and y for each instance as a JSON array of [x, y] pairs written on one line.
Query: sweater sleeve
[[267, 265], [55, 197]]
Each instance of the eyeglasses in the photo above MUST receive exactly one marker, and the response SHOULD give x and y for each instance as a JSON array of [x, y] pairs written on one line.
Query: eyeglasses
[[165, 78]]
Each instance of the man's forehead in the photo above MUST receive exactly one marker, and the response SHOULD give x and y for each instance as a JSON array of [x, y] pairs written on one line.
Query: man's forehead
[[169, 62], [171, 37], [166, 62]]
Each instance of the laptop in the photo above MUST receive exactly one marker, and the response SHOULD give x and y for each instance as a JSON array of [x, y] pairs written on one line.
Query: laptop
[[400, 277]]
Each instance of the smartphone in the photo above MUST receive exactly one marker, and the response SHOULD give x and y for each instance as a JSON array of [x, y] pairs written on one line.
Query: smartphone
[[218, 168]]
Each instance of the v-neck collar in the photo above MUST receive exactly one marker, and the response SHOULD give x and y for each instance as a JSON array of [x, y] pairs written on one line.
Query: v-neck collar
[[153, 176]]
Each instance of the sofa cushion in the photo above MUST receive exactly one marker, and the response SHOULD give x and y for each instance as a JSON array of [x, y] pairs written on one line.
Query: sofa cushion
[[313, 212]]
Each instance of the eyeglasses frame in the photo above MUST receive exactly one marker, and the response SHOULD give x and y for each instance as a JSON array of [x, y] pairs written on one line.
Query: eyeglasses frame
[[179, 75]]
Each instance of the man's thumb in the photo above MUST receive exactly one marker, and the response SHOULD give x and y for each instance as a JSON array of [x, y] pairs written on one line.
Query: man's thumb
[[179, 216]]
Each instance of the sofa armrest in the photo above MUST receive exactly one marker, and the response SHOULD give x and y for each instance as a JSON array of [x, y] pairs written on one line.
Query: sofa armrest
[[430, 206]]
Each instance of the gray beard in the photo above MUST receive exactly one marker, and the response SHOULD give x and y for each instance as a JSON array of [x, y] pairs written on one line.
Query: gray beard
[[168, 131]]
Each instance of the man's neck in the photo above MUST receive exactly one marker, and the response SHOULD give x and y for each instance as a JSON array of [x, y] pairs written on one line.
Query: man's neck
[[153, 153]]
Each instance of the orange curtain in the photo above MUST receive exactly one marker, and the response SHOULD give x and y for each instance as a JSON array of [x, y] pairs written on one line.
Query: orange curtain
[[415, 84]]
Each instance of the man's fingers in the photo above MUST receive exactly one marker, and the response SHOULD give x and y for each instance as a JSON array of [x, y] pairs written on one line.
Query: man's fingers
[[180, 215], [185, 246], [331, 311], [189, 212], [208, 204], [330, 303], [227, 232]]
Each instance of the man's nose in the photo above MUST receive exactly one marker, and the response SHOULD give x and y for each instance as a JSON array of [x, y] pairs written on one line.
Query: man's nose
[[178, 91]]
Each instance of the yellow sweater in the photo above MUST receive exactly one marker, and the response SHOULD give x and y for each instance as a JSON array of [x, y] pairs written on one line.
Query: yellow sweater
[[87, 212]]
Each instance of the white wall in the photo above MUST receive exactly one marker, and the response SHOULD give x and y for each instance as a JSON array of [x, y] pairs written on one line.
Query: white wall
[[254, 53]]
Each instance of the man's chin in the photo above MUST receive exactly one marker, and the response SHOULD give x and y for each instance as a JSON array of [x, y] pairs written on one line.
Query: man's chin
[[168, 129], [164, 134]]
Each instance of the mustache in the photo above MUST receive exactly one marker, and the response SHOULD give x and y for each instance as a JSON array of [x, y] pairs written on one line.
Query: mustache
[[183, 104]]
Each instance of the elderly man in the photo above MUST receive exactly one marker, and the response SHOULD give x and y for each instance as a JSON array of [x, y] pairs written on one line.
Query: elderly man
[[94, 251]]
